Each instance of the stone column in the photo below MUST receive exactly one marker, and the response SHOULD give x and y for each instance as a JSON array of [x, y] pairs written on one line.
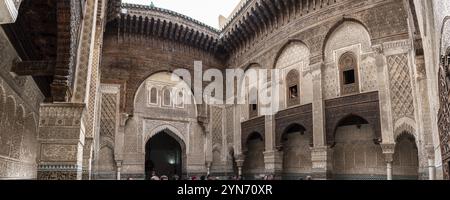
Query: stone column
[[273, 159], [61, 141], [119, 169], [431, 165], [208, 168], [321, 158], [240, 163], [388, 151], [320, 154], [8, 11], [209, 148], [386, 121], [389, 169], [424, 116], [204, 122]]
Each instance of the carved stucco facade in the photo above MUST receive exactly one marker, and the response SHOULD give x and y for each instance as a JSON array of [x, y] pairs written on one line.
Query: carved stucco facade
[[388, 127], [19, 111]]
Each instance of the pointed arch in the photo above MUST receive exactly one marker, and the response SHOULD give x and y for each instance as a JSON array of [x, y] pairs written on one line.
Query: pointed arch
[[285, 47], [350, 119], [254, 136], [293, 128], [445, 28], [406, 157], [172, 131], [254, 157], [356, 150], [336, 27], [11, 106], [167, 97], [174, 134], [141, 83], [404, 124], [143, 91], [21, 113]]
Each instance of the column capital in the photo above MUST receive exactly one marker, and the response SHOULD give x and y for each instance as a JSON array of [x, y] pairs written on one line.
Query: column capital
[[388, 151], [239, 163], [388, 148], [119, 163]]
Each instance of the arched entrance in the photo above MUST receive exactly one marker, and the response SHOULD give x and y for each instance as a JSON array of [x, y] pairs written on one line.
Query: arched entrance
[[296, 152], [254, 157], [164, 155], [406, 158], [356, 155]]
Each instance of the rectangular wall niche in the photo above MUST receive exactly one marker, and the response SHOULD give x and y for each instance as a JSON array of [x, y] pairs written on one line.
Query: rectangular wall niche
[[349, 77]]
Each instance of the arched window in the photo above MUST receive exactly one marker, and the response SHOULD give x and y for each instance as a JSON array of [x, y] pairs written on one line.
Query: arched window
[[180, 98], [292, 88], [153, 96], [348, 72], [167, 97], [253, 103]]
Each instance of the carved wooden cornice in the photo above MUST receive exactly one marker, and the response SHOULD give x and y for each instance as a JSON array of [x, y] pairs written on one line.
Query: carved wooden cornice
[[253, 19], [150, 21]]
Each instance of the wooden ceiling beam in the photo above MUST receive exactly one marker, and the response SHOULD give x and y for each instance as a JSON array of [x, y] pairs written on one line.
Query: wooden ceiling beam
[[34, 68]]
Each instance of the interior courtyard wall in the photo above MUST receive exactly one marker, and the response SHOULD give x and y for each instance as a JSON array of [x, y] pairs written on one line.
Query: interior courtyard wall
[[430, 16], [19, 114], [138, 58], [148, 119], [296, 155]]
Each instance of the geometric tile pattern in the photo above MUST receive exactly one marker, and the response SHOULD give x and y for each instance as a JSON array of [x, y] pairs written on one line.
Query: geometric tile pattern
[[400, 87], [294, 53], [230, 124], [216, 120], [108, 116]]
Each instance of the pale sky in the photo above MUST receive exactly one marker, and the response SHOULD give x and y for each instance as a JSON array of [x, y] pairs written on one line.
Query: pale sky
[[206, 11]]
